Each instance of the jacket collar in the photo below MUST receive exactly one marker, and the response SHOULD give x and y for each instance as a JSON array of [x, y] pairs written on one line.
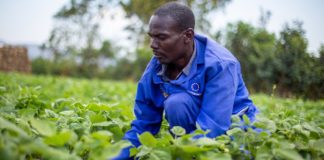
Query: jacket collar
[[201, 42]]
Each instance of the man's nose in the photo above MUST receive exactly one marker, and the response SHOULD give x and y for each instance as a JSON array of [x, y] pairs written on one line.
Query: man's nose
[[154, 44]]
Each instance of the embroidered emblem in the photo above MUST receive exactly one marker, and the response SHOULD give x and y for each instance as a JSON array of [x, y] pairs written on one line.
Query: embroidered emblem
[[195, 87]]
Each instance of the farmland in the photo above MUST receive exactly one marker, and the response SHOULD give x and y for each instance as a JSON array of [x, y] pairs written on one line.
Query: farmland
[[45, 117]]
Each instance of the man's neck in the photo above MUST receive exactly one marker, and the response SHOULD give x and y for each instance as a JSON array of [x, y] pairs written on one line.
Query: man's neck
[[181, 63], [174, 69]]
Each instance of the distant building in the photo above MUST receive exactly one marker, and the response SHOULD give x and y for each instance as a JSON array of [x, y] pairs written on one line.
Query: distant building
[[14, 58]]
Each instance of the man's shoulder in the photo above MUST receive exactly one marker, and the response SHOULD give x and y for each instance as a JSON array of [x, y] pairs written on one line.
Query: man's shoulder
[[216, 56], [219, 52]]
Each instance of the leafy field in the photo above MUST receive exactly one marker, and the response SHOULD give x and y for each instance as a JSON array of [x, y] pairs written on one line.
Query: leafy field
[[62, 118]]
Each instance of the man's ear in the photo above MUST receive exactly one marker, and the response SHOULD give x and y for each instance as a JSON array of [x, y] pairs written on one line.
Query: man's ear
[[188, 35]]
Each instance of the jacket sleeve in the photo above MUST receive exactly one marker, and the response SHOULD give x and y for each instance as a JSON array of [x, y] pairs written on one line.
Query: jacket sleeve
[[218, 98], [148, 116]]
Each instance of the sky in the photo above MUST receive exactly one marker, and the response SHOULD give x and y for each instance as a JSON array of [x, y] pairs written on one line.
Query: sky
[[23, 21]]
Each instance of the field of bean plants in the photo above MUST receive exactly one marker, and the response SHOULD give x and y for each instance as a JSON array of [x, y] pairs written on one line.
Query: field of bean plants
[[46, 117]]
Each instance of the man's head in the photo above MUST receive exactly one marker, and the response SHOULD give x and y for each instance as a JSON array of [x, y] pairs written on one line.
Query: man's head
[[180, 13], [171, 29]]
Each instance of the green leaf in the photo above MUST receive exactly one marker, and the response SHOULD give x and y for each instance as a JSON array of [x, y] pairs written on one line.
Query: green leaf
[[222, 156], [223, 139], [95, 118], [192, 149], [234, 131], [133, 151], [264, 134], [310, 127], [104, 124], [297, 127], [67, 113], [117, 132], [111, 151], [76, 126], [305, 133], [51, 114], [263, 153], [61, 138], [286, 144], [215, 156], [28, 112], [178, 131], [143, 150], [2, 89], [199, 131], [246, 119], [317, 144], [204, 141], [147, 139], [159, 154], [102, 135], [12, 127], [266, 124], [235, 119], [47, 152], [288, 154], [97, 107], [44, 127]]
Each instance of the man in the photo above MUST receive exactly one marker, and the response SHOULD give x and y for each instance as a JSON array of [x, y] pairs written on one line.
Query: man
[[191, 78]]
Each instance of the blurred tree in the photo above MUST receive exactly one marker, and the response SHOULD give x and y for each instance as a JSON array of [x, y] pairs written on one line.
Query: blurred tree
[[264, 18], [130, 69], [143, 57], [319, 78], [107, 50], [254, 47], [313, 80], [321, 54], [297, 71], [41, 66], [76, 35], [284, 62]]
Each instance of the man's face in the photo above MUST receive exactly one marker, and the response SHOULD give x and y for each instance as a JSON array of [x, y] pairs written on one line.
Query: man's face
[[166, 40]]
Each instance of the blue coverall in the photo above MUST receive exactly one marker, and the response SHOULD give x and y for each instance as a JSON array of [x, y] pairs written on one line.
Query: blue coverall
[[209, 95]]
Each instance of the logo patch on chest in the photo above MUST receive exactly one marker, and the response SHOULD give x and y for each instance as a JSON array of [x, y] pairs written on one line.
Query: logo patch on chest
[[195, 87]]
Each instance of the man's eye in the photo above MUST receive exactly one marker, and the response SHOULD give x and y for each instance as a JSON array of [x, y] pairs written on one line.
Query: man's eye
[[161, 37]]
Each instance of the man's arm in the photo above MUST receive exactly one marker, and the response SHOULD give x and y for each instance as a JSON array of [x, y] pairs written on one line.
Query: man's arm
[[148, 117], [218, 99]]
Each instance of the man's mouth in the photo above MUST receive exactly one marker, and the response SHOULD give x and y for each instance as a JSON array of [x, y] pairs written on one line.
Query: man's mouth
[[157, 54]]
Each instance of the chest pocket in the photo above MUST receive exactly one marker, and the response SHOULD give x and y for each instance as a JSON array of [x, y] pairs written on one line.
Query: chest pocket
[[196, 85]]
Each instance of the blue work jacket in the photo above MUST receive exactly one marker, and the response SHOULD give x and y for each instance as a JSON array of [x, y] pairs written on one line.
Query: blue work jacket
[[214, 81]]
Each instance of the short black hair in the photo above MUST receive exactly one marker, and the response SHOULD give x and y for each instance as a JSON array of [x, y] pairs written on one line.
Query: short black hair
[[181, 13]]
